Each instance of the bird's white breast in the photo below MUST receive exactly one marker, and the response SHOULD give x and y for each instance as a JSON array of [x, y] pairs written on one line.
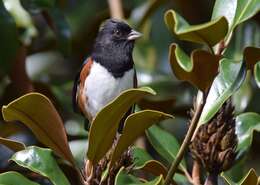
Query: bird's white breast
[[101, 87]]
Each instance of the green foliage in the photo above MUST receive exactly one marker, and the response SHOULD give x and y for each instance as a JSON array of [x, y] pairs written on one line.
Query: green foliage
[[249, 178], [44, 121], [41, 161], [14, 178], [103, 128], [230, 78]]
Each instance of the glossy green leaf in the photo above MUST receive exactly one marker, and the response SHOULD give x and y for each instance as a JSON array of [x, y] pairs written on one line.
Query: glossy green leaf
[[127, 179], [246, 123], [164, 143], [199, 70], [8, 35], [135, 126], [236, 11], [38, 113], [257, 73], [249, 179], [104, 126], [12, 144], [209, 33], [14, 178], [229, 79], [22, 19], [41, 161]]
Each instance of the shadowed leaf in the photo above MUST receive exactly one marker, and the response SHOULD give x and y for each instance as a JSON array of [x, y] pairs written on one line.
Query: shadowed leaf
[[251, 56], [41, 161], [246, 124], [14, 178], [38, 113], [164, 143], [13, 145], [104, 126], [9, 37], [229, 79], [209, 33], [200, 70], [135, 126], [127, 179]]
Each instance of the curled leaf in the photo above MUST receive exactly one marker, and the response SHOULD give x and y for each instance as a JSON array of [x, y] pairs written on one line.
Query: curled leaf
[[13, 145], [251, 56], [199, 70], [209, 33], [14, 178], [257, 73]]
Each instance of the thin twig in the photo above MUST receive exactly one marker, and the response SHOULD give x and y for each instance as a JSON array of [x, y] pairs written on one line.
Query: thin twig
[[185, 143], [196, 173], [116, 9], [186, 173]]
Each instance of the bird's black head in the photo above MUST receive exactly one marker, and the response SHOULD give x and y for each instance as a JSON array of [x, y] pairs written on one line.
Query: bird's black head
[[114, 45]]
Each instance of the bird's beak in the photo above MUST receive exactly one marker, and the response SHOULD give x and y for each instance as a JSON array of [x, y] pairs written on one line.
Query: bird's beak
[[133, 35]]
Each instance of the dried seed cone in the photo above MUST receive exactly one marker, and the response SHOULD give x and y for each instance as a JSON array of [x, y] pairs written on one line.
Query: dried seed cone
[[215, 143]]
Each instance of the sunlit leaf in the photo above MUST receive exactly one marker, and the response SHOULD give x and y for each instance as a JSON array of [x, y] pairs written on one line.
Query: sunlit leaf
[[251, 56], [229, 79], [12, 144], [38, 113], [14, 178], [246, 123], [164, 143], [249, 179], [135, 126], [127, 179], [209, 33], [236, 11], [200, 70], [8, 35], [104, 126], [257, 73], [41, 161]]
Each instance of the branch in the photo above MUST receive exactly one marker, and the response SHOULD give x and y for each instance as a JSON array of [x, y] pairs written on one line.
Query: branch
[[196, 173], [185, 143], [116, 9]]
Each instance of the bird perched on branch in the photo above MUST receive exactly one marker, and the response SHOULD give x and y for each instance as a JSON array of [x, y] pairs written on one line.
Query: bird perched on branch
[[109, 69]]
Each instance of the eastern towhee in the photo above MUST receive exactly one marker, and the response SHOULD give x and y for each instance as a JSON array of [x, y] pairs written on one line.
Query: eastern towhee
[[109, 69]]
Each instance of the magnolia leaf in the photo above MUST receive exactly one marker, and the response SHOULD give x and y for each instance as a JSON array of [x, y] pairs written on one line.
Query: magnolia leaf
[[200, 70], [251, 56], [127, 179], [14, 178], [38, 113], [143, 161], [164, 143], [246, 124], [257, 73], [104, 127], [13, 145], [249, 179], [235, 11], [229, 79], [9, 37], [41, 161], [135, 125], [209, 33]]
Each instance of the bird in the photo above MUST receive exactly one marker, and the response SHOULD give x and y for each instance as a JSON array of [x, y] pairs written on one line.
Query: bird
[[108, 70]]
